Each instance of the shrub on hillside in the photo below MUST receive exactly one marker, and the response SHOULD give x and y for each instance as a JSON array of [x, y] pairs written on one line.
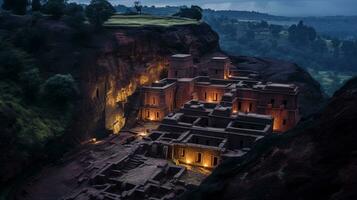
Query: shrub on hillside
[[195, 12], [99, 11], [12, 61], [55, 8], [60, 90]]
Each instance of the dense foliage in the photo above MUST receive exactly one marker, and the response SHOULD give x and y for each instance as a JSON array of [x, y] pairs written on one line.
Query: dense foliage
[[55, 8], [60, 89], [195, 12], [16, 6], [36, 107], [99, 11]]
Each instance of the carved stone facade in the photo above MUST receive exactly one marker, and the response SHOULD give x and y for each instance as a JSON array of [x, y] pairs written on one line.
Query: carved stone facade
[[239, 89]]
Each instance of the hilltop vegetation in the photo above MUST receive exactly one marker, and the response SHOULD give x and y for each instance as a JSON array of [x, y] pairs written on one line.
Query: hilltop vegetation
[[146, 20]]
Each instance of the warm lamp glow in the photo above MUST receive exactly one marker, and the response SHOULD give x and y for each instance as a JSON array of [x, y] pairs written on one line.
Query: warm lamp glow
[[188, 161], [205, 165], [156, 81], [143, 134]]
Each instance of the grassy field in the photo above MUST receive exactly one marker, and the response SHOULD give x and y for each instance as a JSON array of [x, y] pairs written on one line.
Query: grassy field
[[146, 20], [331, 80]]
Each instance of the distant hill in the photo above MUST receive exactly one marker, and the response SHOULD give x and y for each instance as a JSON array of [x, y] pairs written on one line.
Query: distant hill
[[343, 27]]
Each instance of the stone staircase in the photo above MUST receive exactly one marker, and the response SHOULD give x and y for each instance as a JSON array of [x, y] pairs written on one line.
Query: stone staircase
[[134, 162]]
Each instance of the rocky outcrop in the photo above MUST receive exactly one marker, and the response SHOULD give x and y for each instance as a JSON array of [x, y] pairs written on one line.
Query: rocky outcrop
[[316, 160], [128, 58]]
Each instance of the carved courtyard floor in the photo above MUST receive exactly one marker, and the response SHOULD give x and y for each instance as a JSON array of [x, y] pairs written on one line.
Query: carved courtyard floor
[[112, 169]]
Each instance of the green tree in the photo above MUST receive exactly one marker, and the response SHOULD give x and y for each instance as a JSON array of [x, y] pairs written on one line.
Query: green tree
[[7, 4], [195, 12], [16, 6], [301, 34], [12, 61], [336, 47], [36, 5], [275, 30], [31, 81], [60, 89], [55, 8], [74, 15], [138, 7], [99, 11]]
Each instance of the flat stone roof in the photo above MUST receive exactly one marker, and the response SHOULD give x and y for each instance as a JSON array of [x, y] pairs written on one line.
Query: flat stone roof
[[181, 55], [219, 58], [185, 79]]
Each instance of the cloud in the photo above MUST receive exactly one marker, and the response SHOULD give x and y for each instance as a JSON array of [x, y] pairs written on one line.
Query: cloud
[[278, 7]]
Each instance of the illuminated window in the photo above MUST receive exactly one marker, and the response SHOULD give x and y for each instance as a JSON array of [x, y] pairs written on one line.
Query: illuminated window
[[157, 115], [148, 114], [198, 157], [215, 97], [215, 161], [153, 101], [182, 152]]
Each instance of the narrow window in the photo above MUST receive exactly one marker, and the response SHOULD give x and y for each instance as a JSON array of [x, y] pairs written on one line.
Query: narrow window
[[153, 101], [182, 152], [198, 158], [205, 95], [285, 102], [216, 97], [176, 73], [272, 101], [239, 106], [215, 161], [284, 122], [97, 93], [157, 115], [148, 114], [250, 107], [216, 71]]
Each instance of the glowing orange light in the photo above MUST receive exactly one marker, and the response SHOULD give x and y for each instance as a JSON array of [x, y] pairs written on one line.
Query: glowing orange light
[[188, 161]]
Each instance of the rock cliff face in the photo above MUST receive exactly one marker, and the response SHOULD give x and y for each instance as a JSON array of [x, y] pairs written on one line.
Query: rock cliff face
[[127, 58], [316, 160]]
